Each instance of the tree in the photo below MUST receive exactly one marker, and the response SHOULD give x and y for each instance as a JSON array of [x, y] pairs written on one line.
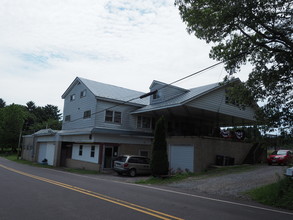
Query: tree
[[2, 103], [159, 163], [42, 117], [254, 31], [12, 119]]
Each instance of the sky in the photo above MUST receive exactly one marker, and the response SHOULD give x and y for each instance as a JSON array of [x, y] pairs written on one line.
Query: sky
[[46, 44]]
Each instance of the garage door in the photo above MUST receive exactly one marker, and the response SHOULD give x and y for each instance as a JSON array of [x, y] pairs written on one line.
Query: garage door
[[42, 152], [46, 150], [181, 157]]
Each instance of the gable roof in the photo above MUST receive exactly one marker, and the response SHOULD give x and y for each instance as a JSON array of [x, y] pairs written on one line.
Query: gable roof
[[109, 92], [181, 99]]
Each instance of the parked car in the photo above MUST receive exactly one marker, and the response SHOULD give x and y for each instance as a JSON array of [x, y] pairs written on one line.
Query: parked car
[[280, 157], [132, 165]]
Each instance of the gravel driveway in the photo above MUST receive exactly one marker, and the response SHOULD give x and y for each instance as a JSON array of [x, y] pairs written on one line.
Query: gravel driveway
[[231, 185]]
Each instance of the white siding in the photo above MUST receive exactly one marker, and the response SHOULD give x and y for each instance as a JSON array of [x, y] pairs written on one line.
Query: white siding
[[86, 153], [215, 101], [181, 157], [77, 107]]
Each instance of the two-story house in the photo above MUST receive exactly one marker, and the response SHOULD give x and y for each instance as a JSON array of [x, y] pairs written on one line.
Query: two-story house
[[102, 121]]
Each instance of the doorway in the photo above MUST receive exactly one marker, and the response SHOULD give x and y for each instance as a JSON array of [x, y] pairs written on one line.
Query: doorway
[[110, 153]]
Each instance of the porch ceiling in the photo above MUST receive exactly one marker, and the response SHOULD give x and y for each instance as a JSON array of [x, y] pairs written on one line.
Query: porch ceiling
[[187, 113]]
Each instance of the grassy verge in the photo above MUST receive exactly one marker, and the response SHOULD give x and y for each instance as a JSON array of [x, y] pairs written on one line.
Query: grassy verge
[[13, 157], [279, 194], [211, 172]]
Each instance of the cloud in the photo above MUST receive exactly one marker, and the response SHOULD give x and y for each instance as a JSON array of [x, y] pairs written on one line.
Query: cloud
[[45, 44]]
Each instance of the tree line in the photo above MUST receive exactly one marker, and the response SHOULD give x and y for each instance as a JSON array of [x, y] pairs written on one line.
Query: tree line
[[17, 120]]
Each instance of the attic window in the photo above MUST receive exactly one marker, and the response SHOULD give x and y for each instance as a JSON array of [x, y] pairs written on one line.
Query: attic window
[[156, 95], [83, 93], [72, 97]]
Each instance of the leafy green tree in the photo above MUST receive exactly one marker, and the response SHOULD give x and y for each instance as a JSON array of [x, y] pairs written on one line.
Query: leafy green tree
[[258, 32], [159, 163], [12, 119], [42, 117]]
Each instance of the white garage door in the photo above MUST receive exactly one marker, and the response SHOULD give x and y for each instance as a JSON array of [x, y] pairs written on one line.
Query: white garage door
[[46, 150], [181, 157], [42, 152]]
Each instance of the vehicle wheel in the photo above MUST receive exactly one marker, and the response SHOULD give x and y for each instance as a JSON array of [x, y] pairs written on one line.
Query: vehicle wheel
[[132, 172]]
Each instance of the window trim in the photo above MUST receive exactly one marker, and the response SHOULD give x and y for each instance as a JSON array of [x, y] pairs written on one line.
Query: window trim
[[80, 150], [72, 97], [87, 114], [92, 152], [114, 116], [141, 121], [83, 93]]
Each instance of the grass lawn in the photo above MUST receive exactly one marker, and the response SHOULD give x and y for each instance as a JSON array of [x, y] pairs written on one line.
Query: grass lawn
[[14, 158], [279, 194]]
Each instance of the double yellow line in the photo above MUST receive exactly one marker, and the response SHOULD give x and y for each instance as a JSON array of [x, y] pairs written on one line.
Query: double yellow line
[[129, 205]]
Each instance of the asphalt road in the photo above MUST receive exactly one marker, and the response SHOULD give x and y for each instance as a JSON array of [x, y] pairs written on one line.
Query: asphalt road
[[28, 192]]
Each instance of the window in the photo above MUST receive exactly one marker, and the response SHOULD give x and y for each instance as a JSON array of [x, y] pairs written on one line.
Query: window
[[83, 93], [113, 116], [72, 97], [80, 150], [92, 151], [143, 122], [67, 118], [156, 95], [87, 114], [144, 153]]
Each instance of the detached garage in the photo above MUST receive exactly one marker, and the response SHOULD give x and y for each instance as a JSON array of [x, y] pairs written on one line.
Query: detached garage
[[181, 157]]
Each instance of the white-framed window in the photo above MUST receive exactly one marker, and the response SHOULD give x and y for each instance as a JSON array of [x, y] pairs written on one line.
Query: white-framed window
[[83, 93], [87, 114], [67, 118], [93, 151], [113, 116], [143, 122], [72, 97], [80, 150]]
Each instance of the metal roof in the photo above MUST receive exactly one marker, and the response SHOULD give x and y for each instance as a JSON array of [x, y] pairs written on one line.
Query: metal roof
[[180, 99], [114, 92]]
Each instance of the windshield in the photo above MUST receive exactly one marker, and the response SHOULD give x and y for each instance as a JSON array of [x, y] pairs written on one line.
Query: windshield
[[279, 152]]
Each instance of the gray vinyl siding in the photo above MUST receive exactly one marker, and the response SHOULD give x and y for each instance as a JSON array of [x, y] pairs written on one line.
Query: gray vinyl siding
[[128, 121], [215, 101], [77, 107]]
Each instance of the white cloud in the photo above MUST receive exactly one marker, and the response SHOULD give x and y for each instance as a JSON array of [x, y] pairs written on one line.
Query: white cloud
[[45, 44]]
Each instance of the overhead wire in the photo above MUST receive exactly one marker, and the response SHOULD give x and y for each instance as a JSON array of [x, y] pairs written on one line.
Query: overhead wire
[[150, 93]]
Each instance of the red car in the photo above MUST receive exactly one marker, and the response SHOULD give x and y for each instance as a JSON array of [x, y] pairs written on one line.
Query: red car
[[280, 157]]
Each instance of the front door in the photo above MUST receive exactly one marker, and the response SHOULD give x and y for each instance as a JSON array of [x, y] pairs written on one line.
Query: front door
[[108, 157]]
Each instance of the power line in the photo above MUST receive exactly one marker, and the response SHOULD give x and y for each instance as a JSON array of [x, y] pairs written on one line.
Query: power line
[[153, 92]]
